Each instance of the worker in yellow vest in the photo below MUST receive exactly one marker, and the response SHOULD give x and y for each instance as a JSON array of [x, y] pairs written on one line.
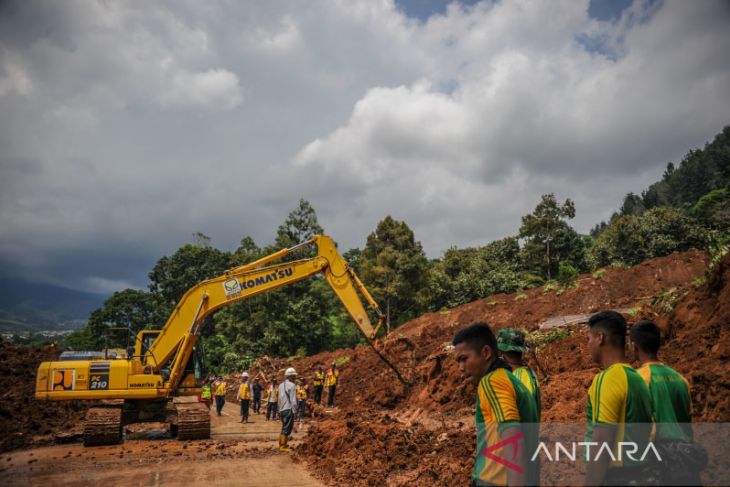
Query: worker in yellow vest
[[302, 394], [318, 383], [330, 380], [220, 395], [244, 396], [206, 393]]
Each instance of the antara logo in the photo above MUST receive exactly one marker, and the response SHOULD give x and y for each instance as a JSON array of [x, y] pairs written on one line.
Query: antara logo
[[487, 452]]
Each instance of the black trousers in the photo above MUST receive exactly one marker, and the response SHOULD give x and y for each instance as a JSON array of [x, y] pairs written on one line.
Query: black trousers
[[256, 405], [318, 393], [244, 408], [271, 410], [331, 395], [302, 405], [219, 402], [287, 422]]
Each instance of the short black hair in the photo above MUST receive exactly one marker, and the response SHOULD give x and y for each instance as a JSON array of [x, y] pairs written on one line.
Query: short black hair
[[646, 335], [613, 324], [476, 335]]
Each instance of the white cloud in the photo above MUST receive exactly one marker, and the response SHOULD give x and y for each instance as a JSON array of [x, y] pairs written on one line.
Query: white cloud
[[140, 123], [215, 88]]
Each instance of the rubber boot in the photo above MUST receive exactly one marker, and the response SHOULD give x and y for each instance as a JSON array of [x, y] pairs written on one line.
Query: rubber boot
[[283, 447]]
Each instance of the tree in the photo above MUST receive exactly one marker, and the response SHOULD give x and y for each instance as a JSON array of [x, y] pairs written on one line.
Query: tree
[[172, 276], [122, 315], [549, 240], [394, 268], [713, 210], [301, 224], [465, 275], [633, 205], [630, 240]]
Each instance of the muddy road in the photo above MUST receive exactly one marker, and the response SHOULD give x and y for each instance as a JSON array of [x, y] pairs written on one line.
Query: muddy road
[[237, 454]]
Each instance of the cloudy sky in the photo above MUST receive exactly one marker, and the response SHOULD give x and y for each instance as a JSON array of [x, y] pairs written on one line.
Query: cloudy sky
[[127, 126]]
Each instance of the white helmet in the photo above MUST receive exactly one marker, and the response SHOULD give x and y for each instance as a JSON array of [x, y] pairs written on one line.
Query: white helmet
[[244, 375], [290, 372]]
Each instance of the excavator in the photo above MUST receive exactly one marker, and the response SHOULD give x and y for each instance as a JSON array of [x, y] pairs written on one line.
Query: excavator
[[156, 380]]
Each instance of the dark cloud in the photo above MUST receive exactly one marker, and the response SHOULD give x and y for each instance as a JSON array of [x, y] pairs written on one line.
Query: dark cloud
[[126, 127]]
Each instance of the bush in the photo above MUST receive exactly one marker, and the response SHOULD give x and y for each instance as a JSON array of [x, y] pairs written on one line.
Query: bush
[[629, 240], [567, 275]]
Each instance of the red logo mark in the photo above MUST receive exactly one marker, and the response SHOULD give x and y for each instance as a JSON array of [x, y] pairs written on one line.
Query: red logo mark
[[487, 452]]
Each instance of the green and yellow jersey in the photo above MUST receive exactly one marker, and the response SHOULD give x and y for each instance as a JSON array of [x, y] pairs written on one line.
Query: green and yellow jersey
[[670, 401], [527, 376], [503, 401], [618, 397]]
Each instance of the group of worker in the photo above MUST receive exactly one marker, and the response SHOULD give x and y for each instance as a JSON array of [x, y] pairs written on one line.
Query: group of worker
[[287, 401], [647, 406]]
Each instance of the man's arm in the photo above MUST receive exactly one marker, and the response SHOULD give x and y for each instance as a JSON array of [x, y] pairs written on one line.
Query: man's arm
[[515, 453], [597, 468]]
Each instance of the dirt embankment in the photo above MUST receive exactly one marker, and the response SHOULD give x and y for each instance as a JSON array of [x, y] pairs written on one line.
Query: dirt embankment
[[386, 434], [23, 420]]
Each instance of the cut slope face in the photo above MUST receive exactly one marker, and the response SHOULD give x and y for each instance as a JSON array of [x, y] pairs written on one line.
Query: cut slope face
[[425, 435]]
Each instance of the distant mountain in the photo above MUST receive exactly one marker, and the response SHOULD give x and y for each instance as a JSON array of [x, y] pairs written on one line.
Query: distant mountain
[[29, 306]]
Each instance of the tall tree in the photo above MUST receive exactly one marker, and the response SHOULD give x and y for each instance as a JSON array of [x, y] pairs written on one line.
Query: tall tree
[[548, 237], [122, 315], [394, 268]]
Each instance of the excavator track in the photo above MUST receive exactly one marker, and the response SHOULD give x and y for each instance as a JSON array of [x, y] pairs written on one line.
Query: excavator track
[[103, 426], [193, 421]]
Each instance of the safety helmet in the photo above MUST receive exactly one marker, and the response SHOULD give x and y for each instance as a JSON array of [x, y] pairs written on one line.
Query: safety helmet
[[290, 372], [244, 375]]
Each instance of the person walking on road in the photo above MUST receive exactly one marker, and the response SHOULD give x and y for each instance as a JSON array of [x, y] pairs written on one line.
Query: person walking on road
[[272, 393], [511, 344], [244, 396], [256, 389], [330, 380], [318, 383], [220, 395], [287, 407]]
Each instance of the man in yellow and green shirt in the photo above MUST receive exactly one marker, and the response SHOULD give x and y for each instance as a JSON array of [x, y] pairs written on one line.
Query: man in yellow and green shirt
[[511, 344], [507, 420], [672, 408], [618, 407]]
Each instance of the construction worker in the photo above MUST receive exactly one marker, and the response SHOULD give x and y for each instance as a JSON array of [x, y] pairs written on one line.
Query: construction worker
[[302, 394], [511, 343], [618, 407], [672, 407], [318, 383], [287, 407], [256, 396], [506, 412], [206, 394], [244, 396], [330, 380], [272, 395], [220, 395]]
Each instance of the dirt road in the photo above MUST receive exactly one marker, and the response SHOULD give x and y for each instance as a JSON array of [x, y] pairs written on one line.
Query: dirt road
[[237, 454]]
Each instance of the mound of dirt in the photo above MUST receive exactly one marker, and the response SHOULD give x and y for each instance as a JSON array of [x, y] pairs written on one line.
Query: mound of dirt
[[699, 344], [23, 420], [383, 433]]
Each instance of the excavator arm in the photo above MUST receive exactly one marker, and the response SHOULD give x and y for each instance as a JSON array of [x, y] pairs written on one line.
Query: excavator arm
[[180, 334]]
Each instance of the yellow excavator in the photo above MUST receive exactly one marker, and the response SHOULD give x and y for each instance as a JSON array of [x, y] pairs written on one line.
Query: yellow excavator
[[152, 382]]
